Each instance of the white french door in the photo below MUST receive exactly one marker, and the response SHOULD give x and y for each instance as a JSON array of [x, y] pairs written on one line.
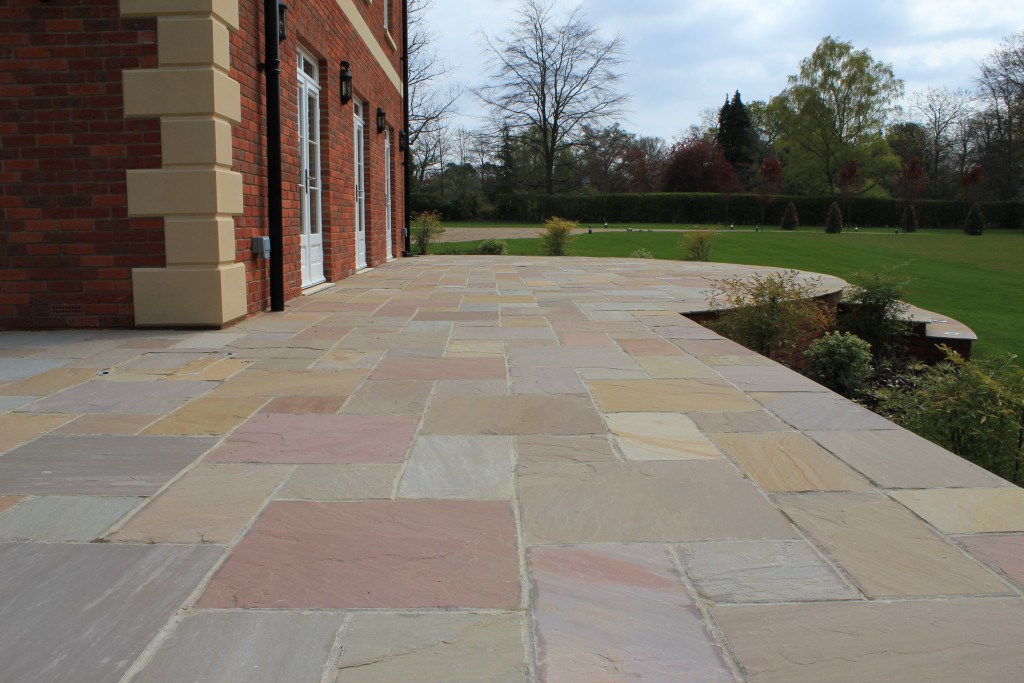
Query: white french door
[[310, 188], [360, 184], [387, 193]]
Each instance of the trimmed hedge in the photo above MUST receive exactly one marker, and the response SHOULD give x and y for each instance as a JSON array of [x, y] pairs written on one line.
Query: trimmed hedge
[[709, 209]]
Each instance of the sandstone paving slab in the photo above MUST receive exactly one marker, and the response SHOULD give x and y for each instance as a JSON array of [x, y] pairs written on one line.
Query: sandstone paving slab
[[245, 647], [967, 511], [107, 424], [471, 387], [86, 612], [316, 438], [347, 359], [64, 518], [468, 467], [374, 554], [207, 416], [49, 382], [457, 647], [304, 404], [675, 367], [271, 383], [902, 459], [341, 482], [513, 414], [762, 571], [618, 613], [660, 436], [8, 403], [208, 340], [210, 504], [605, 373], [936, 641], [716, 346], [587, 448], [821, 411], [885, 549], [7, 502], [1002, 552], [544, 381], [669, 395], [731, 423], [14, 369], [775, 378], [212, 369], [122, 397], [570, 502], [748, 359], [649, 347], [788, 461], [572, 357], [17, 428], [98, 465], [584, 339], [439, 369], [390, 398], [474, 348]]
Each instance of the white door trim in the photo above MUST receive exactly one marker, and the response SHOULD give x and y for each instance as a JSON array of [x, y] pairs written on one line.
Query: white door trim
[[310, 181]]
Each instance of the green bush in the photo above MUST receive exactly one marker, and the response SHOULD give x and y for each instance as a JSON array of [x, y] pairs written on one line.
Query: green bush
[[557, 235], [790, 221], [975, 223], [908, 221], [839, 361], [834, 220], [769, 314], [641, 253], [426, 226], [696, 245], [873, 309], [492, 247], [973, 408]]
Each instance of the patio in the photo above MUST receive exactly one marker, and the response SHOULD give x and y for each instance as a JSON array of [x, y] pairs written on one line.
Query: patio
[[501, 469]]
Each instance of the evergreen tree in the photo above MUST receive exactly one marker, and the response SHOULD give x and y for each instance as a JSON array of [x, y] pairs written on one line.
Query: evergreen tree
[[975, 223], [834, 221], [908, 222], [790, 221], [735, 132]]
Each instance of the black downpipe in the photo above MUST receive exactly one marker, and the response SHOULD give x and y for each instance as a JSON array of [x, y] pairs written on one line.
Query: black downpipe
[[275, 220], [407, 158]]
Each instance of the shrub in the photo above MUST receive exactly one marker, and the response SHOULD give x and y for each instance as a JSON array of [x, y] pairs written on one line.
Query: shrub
[[790, 221], [834, 221], [840, 361], [873, 309], [696, 245], [557, 235], [492, 247], [641, 253], [975, 223], [973, 408], [908, 221], [426, 226], [768, 313]]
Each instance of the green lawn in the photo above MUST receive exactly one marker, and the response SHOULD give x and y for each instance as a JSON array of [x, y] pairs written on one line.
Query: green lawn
[[976, 280]]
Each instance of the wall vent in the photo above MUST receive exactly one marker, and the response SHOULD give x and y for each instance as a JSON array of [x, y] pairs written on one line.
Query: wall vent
[[66, 309]]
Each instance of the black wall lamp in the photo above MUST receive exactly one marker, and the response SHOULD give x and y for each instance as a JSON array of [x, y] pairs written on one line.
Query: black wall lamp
[[282, 23], [382, 120], [345, 89]]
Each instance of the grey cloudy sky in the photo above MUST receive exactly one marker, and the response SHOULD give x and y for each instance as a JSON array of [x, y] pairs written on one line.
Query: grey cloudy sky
[[687, 55]]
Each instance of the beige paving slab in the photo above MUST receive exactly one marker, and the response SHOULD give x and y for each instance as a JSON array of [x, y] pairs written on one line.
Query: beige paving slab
[[727, 423], [474, 348], [207, 416], [936, 641], [341, 482], [210, 504], [587, 448], [660, 436], [900, 459], [472, 387], [885, 549], [434, 648], [675, 367], [967, 511], [390, 398], [1002, 552], [215, 369], [788, 461], [271, 383], [439, 368], [670, 395], [17, 428], [49, 382], [7, 502], [597, 502], [572, 357], [513, 414], [585, 339], [304, 404]]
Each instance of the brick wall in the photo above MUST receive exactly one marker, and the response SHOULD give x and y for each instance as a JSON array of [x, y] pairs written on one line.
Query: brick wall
[[323, 31], [67, 246]]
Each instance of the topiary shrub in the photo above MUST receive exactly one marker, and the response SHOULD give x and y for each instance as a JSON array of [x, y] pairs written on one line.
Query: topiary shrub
[[839, 361], [426, 226], [557, 235], [492, 247], [834, 220], [641, 253], [975, 223], [696, 245], [908, 221], [790, 221]]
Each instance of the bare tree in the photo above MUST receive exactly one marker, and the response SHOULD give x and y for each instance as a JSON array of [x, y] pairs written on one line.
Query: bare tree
[[549, 78], [942, 113], [432, 98], [1001, 89]]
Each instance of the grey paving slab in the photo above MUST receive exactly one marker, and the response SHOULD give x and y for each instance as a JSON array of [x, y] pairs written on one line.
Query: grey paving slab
[[821, 411], [86, 612], [98, 465], [245, 647], [459, 467], [13, 369], [64, 518], [107, 396], [434, 648], [13, 402]]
